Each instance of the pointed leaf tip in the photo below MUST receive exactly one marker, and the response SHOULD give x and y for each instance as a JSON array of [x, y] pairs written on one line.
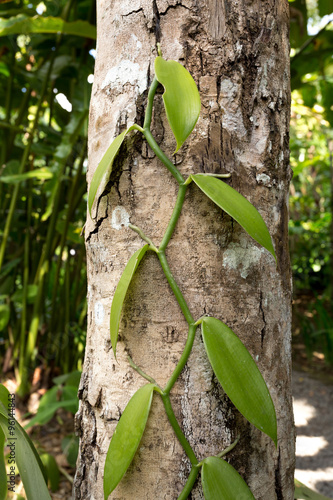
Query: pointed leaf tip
[[239, 376], [120, 294], [181, 98], [220, 481], [126, 437], [238, 207]]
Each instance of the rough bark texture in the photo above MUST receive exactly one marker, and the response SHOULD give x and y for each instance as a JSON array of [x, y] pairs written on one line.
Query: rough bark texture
[[238, 54]]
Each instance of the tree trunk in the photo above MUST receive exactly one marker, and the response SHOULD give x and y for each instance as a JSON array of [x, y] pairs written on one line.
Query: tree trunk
[[238, 54]]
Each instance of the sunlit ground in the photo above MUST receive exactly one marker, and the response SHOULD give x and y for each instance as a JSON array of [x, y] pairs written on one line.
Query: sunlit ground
[[313, 414]]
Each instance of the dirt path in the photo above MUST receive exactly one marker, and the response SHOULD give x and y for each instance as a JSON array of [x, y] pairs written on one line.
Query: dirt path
[[313, 408]]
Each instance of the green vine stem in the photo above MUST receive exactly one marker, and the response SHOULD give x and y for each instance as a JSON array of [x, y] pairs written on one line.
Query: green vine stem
[[140, 372], [143, 236], [162, 156], [229, 448], [150, 100], [190, 482], [165, 394], [179, 433], [174, 217], [175, 288], [183, 359]]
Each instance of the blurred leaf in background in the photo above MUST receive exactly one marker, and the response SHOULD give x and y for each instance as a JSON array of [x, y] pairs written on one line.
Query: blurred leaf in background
[[311, 146], [46, 71], [63, 394]]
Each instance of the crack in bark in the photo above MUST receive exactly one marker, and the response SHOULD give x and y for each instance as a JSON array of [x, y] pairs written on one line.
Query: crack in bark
[[221, 133], [83, 384], [156, 23], [116, 186], [201, 62], [91, 412], [98, 222], [112, 419], [129, 172], [169, 7], [218, 89], [149, 81], [87, 455], [133, 12], [278, 479], [99, 398], [263, 330]]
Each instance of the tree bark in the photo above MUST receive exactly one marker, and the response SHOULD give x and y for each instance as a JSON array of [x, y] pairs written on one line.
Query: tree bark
[[238, 54]]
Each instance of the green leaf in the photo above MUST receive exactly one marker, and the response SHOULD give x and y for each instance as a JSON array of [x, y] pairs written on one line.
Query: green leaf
[[6, 286], [120, 293], [52, 470], [239, 375], [50, 397], [220, 481], [70, 136], [8, 267], [325, 7], [126, 437], [26, 457], [53, 184], [71, 378], [40, 173], [237, 207], [44, 415], [302, 492], [181, 98], [70, 448], [4, 70], [4, 316], [298, 34], [22, 24], [326, 90], [31, 294], [70, 397], [4, 393], [49, 404], [61, 65], [102, 173]]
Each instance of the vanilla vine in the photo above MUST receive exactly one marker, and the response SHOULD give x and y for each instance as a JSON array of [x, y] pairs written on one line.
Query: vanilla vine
[[231, 362]]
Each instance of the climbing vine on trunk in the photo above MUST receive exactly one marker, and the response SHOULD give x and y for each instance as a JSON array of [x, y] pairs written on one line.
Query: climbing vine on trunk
[[231, 362]]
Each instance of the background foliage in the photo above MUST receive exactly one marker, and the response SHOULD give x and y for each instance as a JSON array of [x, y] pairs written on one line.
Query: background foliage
[[311, 200], [42, 182]]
